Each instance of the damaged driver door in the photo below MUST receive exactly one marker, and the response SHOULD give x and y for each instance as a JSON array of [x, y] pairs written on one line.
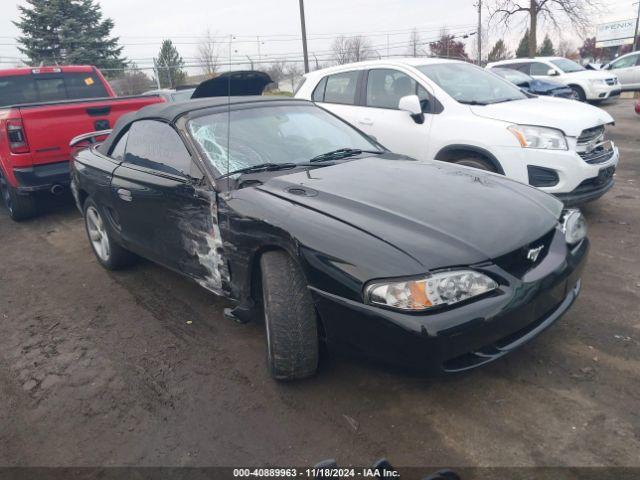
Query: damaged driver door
[[164, 206]]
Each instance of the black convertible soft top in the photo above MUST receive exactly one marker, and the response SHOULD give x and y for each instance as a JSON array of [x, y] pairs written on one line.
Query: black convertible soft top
[[170, 112]]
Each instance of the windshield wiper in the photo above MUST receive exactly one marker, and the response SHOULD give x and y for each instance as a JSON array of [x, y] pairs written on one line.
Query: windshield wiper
[[472, 102], [261, 167], [341, 153]]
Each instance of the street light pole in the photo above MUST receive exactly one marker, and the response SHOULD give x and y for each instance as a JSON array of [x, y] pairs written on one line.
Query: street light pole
[[636, 43], [304, 37], [479, 32]]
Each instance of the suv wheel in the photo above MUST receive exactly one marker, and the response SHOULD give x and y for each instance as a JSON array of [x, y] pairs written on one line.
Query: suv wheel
[[475, 162], [290, 318], [110, 255], [19, 206], [578, 93]]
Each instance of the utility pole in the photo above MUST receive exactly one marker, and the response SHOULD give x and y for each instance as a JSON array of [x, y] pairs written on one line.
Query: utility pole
[[479, 32], [259, 56], [304, 37], [636, 40]]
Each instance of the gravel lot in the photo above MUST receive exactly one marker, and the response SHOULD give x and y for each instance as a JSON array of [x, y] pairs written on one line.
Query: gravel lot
[[100, 368]]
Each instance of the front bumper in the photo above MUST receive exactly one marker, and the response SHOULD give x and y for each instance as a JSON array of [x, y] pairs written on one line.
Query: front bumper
[[42, 177], [572, 170], [603, 92], [464, 337]]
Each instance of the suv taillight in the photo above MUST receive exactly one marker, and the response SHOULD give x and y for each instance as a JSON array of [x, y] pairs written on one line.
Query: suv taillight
[[16, 136]]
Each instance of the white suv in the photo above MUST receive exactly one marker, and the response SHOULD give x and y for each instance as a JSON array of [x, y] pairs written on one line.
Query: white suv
[[457, 112], [593, 85]]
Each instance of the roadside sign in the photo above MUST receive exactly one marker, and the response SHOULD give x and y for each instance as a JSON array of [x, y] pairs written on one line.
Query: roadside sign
[[615, 33]]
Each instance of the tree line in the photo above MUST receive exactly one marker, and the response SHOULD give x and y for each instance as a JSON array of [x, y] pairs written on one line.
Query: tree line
[[75, 31]]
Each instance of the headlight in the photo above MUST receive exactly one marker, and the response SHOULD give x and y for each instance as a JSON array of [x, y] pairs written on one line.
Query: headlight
[[597, 82], [531, 136], [574, 226], [445, 288]]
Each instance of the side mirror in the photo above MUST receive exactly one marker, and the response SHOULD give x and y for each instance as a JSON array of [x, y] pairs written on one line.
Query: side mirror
[[411, 104], [552, 72]]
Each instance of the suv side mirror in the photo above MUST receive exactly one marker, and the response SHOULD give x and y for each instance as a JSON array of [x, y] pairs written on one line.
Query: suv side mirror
[[552, 73], [411, 104]]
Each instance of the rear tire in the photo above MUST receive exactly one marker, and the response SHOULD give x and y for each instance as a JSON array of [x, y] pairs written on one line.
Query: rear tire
[[110, 255], [475, 162], [578, 93], [290, 318], [19, 206]]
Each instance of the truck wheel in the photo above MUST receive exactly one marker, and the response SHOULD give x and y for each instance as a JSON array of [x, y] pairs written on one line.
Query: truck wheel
[[20, 207], [290, 318], [110, 255], [577, 93], [475, 162]]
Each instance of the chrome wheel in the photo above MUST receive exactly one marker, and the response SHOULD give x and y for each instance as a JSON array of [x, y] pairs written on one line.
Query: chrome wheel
[[97, 234]]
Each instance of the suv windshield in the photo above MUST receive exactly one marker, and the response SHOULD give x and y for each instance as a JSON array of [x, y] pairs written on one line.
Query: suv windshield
[[567, 66], [471, 85], [273, 135]]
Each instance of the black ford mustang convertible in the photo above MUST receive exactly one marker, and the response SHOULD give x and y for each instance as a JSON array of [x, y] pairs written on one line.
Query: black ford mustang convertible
[[307, 223]]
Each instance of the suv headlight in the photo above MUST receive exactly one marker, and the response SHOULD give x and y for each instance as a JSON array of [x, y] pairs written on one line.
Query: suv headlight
[[445, 288], [574, 226], [597, 81], [531, 136]]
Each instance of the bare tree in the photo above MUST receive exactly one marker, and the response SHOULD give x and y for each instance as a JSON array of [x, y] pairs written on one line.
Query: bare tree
[[351, 49], [340, 48], [567, 49], [416, 48], [576, 12], [360, 48], [278, 71], [293, 72], [208, 54]]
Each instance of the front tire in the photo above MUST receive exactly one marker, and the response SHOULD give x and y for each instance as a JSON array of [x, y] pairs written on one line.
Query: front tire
[[475, 162], [290, 318], [578, 93], [110, 255], [20, 207]]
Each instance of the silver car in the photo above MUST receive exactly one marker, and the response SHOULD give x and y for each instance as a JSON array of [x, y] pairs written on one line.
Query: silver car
[[627, 67]]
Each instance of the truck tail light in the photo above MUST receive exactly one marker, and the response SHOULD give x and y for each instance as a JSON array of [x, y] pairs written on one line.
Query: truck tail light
[[16, 136]]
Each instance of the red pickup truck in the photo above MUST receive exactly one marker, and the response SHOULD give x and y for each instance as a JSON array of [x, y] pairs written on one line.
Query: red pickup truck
[[41, 110]]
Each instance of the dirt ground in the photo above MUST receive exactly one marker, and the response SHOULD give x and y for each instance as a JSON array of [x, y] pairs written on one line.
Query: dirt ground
[[100, 368]]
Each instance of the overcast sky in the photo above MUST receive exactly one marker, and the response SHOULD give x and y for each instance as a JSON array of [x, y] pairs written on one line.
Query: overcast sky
[[142, 24]]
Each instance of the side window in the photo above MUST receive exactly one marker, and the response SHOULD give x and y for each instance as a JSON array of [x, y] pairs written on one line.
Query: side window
[[625, 62], [157, 146], [521, 67], [318, 93], [341, 88], [385, 88], [538, 68], [118, 151]]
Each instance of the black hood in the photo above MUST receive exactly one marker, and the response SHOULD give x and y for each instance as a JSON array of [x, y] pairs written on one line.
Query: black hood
[[437, 213], [242, 83]]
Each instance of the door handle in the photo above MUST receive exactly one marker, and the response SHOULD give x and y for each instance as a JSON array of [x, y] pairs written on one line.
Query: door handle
[[365, 121], [124, 195]]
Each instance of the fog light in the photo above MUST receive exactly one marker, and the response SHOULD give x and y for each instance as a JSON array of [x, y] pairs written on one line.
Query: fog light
[[574, 226]]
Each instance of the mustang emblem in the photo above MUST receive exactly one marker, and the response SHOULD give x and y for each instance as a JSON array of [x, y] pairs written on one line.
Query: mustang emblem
[[534, 253]]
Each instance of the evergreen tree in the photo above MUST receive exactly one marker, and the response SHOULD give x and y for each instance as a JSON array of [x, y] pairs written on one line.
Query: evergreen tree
[[523, 48], [499, 52], [169, 66], [546, 50], [67, 32]]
